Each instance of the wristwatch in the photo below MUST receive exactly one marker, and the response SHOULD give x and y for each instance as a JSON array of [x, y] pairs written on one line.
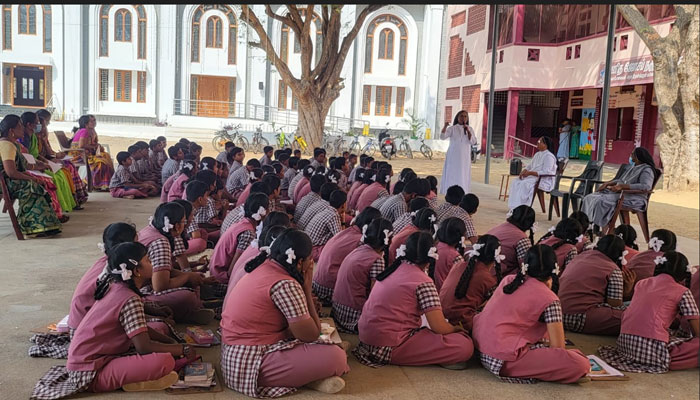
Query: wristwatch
[[186, 349]]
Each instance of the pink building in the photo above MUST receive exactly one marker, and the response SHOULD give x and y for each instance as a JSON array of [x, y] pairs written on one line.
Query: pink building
[[550, 62]]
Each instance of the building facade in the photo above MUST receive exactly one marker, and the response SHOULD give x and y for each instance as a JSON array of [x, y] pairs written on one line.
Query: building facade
[[549, 66], [192, 65]]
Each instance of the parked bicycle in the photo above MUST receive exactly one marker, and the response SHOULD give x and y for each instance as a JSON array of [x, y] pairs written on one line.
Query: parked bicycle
[[298, 143], [425, 149], [334, 144], [281, 140], [229, 134], [369, 148], [259, 142], [405, 147]]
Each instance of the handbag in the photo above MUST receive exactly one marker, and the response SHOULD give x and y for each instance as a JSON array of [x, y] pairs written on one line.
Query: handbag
[[516, 166]]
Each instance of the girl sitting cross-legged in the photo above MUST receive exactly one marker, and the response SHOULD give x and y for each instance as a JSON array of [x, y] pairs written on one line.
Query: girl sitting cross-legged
[[563, 239]]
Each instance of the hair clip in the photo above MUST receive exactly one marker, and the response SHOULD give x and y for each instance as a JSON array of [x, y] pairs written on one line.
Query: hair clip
[[167, 226], [552, 229], [125, 273], [290, 255], [364, 233], [692, 269], [101, 246], [591, 226], [401, 251], [474, 252], [252, 175], [660, 260], [413, 213], [497, 256], [433, 253], [621, 236], [150, 220], [432, 218], [509, 214], [623, 260], [387, 236], [188, 166], [534, 227], [387, 179], [266, 249], [656, 244], [204, 167], [523, 268], [261, 213], [332, 179], [556, 271], [580, 238], [374, 177]]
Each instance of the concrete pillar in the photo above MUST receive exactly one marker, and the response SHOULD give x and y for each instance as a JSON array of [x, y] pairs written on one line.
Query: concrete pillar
[[427, 84], [511, 122], [165, 75]]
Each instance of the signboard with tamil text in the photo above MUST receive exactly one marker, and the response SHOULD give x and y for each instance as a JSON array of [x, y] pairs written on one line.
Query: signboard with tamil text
[[633, 71]]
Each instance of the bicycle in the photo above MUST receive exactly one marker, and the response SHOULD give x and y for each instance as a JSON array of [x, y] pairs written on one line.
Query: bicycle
[[259, 142], [405, 147], [281, 140], [229, 134], [298, 143], [334, 144], [369, 148], [425, 149]]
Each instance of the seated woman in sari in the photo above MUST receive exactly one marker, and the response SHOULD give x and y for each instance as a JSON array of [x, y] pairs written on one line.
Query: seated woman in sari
[[100, 162], [600, 206], [35, 215], [543, 163], [63, 191], [78, 187]]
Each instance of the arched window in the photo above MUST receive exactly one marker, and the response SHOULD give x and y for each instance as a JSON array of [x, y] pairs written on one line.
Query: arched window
[[386, 42], [214, 35], [46, 12], [27, 19], [104, 30], [318, 32], [122, 26], [141, 11]]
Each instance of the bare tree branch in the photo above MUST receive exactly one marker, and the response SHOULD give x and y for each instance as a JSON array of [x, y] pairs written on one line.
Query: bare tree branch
[[640, 24], [284, 20]]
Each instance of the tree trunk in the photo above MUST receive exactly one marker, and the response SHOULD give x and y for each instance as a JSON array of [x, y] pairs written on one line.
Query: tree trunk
[[312, 118]]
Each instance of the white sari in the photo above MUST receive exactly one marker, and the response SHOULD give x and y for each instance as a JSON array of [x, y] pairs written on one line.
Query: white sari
[[521, 190]]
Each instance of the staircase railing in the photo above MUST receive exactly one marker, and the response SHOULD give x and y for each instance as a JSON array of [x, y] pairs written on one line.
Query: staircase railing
[[520, 148]]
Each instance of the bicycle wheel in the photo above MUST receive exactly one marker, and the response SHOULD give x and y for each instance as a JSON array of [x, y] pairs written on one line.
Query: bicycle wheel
[[260, 145], [242, 142], [354, 148], [427, 151], [406, 150], [219, 142]]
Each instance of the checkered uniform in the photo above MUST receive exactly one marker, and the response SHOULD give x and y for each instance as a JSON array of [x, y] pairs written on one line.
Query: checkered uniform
[[393, 207], [238, 180], [402, 221], [192, 227], [222, 157], [206, 213], [293, 183], [234, 166], [122, 177], [170, 167], [382, 196], [576, 322], [428, 299], [311, 211], [447, 210], [304, 203], [232, 217], [345, 317], [60, 382], [289, 174], [244, 240], [550, 315], [49, 345], [323, 226], [521, 249], [639, 354], [569, 257], [241, 363], [324, 294]]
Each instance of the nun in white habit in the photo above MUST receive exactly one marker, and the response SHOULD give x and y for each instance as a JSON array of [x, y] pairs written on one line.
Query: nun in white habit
[[458, 160], [543, 163]]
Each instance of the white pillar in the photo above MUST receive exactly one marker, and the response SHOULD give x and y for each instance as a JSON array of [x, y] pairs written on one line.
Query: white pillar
[[164, 76], [430, 70]]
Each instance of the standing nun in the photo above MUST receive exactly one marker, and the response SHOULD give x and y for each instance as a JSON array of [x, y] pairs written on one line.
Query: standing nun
[[458, 161]]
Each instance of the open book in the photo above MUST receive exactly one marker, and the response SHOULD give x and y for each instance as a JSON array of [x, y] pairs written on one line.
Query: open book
[[600, 370]]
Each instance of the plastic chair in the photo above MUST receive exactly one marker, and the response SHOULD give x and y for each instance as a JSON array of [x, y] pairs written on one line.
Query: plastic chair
[[585, 186]]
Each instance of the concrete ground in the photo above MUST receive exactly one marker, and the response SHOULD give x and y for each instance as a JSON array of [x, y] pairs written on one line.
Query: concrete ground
[[39, 276]]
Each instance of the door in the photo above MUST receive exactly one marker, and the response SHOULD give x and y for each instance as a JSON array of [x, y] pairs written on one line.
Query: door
[[29, 86], [213, 96]]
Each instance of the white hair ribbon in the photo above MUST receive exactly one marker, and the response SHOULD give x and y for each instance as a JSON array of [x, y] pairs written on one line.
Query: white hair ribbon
[[204, 167], [623, 260], [150, 220], [167, 226], [552, 229], [591, 226], [374, 177], [252, 175], [523, 268], [126, 273], [656, 244], [266, 249], [534, 227], [101, 246], [387, 236], [364, 233], [509, 214], [692, 269], [413, 213], [352, 221], [387, 179], [464, 242], [556, 271], [290, 255], [401, 251], [660, 260], [259, 214], [432, 218], [593, 244], [188, 166], [433, 253], [332, 178], [621, 236], [474, 252], [580, 238], [497, 256]]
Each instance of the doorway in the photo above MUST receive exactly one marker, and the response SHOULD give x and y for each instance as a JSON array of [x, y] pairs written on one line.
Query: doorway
[[216, 96], [29, 86]]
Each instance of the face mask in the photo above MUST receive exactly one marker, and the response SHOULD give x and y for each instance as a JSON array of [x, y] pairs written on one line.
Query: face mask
[[37, 128], [631, 161]]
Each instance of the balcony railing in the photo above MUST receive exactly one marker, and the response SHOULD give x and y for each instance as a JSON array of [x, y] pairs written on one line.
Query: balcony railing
[[278, 116]]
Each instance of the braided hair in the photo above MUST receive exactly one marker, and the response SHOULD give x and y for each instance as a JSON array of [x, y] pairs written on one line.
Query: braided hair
[[567, 230], [425, 220], [450, 232], [384, 178], [174, 212], [628, 235], [613, 247], [676, 265], [293, 239], [188, 212], [418, 246], [486, 256], [541, 262], [128, 254], [524, 218], [267, 236], [378, 236]]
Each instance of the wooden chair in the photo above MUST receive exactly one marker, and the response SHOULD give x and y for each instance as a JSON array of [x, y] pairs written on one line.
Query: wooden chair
[[625, 212], [539, 193], [65, 145], [8, 205]]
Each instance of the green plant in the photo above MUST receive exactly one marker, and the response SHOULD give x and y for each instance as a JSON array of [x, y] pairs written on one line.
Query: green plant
[[414, 123]]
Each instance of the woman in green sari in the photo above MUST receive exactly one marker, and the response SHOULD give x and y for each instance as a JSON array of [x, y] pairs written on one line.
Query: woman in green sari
[[31, 125], [35, 215]]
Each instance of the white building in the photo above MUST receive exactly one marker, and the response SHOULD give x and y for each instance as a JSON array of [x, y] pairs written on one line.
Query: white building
[[192, 65]]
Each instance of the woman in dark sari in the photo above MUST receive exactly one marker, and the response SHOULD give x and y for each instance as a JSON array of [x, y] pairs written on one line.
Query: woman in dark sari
[[35, 215], [600, 206]]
